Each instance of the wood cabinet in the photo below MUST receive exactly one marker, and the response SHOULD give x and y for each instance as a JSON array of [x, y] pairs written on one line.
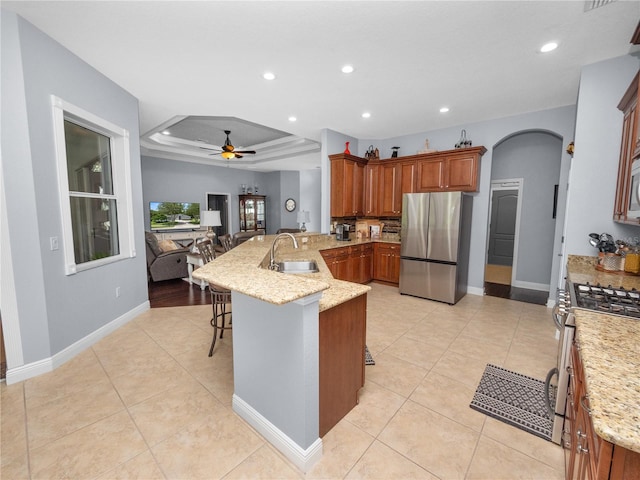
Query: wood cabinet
[[454, 170], [590, 457], [337, 259], [361, 263], [396, 179], [386, 262], [253, 213], [347, 185], [375, 188], [371, 174], [342, 335], [629, 149], [351, 264]]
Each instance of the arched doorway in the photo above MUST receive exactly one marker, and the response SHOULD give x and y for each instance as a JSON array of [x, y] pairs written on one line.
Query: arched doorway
[[525, 173]]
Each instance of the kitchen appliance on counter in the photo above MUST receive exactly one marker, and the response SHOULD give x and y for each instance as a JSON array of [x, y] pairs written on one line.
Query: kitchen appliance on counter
[[434, 252], [608, 300], [342, 232]]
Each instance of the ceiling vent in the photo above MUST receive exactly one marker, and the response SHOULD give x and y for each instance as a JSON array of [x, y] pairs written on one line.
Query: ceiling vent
[[593, 4]]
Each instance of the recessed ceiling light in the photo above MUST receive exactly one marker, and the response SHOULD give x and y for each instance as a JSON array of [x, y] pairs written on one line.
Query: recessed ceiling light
[[269, 76], [366, 115], [548, 47], [166, 132], [444, 109], [347, 69], [292, 118]]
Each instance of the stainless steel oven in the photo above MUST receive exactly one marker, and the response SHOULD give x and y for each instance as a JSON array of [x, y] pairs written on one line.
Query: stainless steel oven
[[608, 300], [633, 209], [563, 317]]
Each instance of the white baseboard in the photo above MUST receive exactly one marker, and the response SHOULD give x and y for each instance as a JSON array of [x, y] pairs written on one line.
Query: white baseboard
[[542, 287], [475, 290], [302, 458], [34, 369]]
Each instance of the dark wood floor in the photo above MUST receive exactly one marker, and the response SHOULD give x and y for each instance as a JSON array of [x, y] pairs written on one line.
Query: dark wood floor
[[514, 293], [177, 293]]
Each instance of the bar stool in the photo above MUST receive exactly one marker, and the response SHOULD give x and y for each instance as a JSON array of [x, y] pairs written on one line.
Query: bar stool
[[220, 297]]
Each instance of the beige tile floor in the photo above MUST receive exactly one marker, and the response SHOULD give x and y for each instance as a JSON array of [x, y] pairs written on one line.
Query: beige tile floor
[[147, 403]]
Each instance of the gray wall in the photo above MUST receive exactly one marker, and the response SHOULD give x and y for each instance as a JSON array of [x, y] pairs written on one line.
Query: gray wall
[[595, 164], [560, 121], [55, 310], [171, 180], [535, 157]]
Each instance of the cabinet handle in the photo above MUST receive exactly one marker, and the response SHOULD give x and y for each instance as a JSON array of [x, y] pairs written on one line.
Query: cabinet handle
[[583, 450], [579, 434], [583, 405]]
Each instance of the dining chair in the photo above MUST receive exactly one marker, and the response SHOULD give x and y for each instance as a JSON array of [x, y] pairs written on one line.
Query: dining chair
[[220, 297]]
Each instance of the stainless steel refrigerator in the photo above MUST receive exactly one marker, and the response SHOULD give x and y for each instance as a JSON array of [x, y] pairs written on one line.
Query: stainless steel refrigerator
[[435, 236]]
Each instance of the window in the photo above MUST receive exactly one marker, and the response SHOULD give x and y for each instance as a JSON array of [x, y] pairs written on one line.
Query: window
[[95, 188]]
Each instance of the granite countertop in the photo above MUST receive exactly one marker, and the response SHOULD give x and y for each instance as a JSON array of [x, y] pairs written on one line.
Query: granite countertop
[[610, 353], [243, 269]]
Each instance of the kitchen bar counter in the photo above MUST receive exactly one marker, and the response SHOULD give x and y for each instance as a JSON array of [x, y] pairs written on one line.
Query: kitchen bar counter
[[610, 352], [243, 269]]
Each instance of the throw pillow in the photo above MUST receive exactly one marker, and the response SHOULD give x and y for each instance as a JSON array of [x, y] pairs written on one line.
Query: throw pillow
[[167, 245], [152, 241]]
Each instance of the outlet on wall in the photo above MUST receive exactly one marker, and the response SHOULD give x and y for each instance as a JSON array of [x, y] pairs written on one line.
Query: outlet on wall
[[117, 292], [53, 243]]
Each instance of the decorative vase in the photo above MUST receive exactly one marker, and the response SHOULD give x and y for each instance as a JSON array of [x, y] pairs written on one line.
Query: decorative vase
[[346, 148]]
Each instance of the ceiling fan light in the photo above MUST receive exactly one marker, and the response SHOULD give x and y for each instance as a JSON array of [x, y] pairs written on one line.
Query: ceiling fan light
[[228, 155]]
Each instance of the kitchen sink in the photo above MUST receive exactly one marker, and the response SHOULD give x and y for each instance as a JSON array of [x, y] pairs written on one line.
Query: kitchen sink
[[298, 267]]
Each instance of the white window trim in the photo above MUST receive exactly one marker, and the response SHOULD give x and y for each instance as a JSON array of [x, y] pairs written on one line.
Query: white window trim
[[121, 178]]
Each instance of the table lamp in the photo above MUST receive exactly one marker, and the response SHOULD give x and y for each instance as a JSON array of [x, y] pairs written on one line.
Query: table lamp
[[210, 219], [303, 217]]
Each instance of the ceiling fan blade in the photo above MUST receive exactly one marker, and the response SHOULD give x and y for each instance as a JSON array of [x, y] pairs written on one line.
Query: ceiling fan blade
[[213, 149], [237, 156], [252, 152]]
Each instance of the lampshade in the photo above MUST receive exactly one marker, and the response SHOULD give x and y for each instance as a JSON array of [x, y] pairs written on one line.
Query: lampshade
[[210, 218], [303, 216]]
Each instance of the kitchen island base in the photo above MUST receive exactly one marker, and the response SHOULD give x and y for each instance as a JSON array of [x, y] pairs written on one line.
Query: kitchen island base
[[297, 371]]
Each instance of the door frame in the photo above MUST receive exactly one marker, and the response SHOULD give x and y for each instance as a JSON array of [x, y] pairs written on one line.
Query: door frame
[[506, 184], [228, 197]]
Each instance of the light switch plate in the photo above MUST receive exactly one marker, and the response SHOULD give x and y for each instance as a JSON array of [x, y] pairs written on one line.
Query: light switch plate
[[53, 243]]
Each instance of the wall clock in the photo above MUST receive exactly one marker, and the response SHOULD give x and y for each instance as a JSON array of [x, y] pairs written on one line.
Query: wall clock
[[290, 204]]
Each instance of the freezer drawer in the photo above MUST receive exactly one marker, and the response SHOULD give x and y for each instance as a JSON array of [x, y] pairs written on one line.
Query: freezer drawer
[[435, 281]]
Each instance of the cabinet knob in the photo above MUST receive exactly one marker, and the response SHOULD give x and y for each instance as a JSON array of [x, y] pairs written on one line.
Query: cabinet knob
[[582, 450]]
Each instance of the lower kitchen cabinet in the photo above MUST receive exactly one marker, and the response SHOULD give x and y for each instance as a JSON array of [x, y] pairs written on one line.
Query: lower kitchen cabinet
[[342, 332], [588, 456], [352, 264], [337, 259], [386, 262]]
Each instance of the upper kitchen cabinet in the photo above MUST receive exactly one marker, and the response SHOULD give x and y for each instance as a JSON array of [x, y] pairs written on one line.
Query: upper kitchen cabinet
[[629, 149], [371, 174], [450, 170], [347, 185], [395, 179]]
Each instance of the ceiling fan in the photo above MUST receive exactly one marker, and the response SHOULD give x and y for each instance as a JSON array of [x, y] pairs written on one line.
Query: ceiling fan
[[228, 150]]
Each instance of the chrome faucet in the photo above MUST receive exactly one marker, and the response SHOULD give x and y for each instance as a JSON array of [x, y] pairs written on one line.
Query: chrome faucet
[[272, 253]]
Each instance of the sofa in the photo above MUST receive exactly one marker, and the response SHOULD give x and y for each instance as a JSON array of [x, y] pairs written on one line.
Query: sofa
[[165, 259]]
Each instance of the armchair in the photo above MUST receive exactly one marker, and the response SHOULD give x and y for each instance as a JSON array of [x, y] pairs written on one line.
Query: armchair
[[165, 265]]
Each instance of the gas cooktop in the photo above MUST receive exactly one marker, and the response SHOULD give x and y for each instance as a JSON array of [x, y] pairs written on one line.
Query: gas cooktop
[[611, 300]]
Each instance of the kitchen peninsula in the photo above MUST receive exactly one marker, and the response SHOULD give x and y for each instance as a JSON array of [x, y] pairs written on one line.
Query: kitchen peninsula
[[298, 342], [607, 360]]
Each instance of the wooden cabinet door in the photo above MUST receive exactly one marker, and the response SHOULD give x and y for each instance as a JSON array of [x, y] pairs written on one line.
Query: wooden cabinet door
[[366, 266], [358, 188], [371, 190], [430, 176], [386, 263], [407, 179], [462, 173], [387, 190], [347, 185], [623, 186]]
